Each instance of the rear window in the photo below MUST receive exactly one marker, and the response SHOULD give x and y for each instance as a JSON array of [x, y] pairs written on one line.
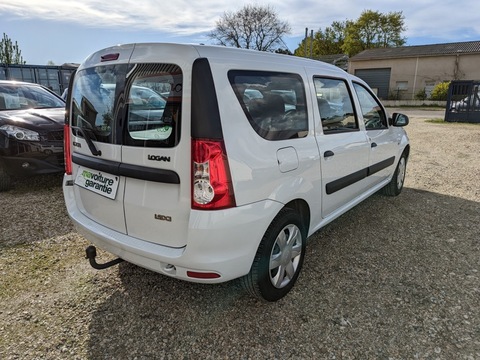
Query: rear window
[[154, 105], [147, 96], [93, 101], [273, 102]]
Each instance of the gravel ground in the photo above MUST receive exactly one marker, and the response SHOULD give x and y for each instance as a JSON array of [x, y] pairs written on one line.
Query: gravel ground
[[394, 278]]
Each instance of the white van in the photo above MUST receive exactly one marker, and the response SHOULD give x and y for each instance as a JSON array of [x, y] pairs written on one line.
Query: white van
[[209, 164]]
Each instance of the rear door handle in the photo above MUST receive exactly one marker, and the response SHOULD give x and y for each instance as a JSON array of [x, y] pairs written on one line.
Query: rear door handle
[[328, 153]]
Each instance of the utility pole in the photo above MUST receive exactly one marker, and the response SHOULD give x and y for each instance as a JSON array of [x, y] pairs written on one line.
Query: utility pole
[[311, 44], [306, 37]]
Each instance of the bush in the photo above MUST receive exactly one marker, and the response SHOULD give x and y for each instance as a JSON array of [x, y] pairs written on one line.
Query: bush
[[394, 95], [440, 91], [421, 95]]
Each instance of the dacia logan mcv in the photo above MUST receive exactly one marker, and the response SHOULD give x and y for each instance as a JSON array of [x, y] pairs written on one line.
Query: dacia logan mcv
[[209, 164]]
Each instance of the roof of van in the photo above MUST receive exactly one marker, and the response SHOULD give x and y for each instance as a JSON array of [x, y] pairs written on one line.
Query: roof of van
[[223, 51], [209, 51]]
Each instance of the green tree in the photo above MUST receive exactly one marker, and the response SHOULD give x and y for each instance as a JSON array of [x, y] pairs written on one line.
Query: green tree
[[374, 30], [283, 51], [252, 27], [327, 42], [371, 30], [10, 52]]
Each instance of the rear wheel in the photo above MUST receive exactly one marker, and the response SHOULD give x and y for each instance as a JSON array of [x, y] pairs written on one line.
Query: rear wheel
[[395, 186], [279, 258]]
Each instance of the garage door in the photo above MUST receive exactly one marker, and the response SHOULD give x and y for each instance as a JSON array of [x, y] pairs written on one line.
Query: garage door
[[377, 79]]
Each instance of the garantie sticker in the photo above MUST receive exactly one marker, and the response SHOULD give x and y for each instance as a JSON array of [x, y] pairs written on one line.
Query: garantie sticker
[[101, 183]]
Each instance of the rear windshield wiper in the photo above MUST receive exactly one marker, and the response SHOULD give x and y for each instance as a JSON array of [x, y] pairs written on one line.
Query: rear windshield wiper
[[91, 145]]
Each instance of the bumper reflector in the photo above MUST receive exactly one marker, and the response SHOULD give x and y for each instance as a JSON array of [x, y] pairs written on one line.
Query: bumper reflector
[[202, 275]]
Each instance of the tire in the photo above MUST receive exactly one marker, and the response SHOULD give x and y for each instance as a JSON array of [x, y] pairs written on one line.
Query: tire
[[395, 186], [5, 180], [279, 258]]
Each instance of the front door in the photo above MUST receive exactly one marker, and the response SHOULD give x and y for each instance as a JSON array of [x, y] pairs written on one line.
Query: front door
[[383, 142]]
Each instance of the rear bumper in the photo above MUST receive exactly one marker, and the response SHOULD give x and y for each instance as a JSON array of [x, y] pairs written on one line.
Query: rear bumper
[[223, 242]]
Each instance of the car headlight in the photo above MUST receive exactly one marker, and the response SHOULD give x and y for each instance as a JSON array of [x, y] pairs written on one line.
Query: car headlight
[[20, 133]]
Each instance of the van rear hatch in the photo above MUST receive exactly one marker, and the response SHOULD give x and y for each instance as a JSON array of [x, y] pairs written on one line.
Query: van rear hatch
[[131, 164]]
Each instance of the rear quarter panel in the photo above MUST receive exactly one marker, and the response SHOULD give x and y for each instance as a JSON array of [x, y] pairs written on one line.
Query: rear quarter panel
[[252, 159]]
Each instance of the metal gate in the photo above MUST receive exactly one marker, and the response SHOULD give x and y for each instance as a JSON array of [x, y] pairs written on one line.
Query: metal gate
[[463, 102], [54, 77]]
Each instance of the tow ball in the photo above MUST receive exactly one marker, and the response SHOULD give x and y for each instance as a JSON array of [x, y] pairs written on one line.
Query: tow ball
[[91, 252]]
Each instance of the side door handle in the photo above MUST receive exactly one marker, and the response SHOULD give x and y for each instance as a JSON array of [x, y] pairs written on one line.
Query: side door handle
[[374, 145], [328, 153]]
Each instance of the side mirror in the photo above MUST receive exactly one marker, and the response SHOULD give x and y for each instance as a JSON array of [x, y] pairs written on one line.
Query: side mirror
[[398, 119]]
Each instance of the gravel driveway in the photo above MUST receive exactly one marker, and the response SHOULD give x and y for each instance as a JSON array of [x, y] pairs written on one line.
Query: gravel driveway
[[394, 278]]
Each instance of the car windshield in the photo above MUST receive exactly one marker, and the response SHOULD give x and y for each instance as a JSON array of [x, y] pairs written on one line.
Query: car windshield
[[144, 98], [23, 96]]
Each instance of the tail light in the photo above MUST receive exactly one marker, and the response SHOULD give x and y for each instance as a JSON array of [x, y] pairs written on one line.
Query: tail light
[[67, 150], [211, 181]]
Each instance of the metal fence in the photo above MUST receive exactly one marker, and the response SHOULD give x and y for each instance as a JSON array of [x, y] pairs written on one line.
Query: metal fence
[[463, 102], [55, 78]]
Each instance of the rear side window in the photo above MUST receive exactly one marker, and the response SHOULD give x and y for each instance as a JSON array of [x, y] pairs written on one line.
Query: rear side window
[[273, 102], [154, 99]]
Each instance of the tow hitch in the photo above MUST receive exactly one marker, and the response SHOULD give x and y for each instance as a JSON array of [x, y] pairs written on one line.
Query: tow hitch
[[91, 252]]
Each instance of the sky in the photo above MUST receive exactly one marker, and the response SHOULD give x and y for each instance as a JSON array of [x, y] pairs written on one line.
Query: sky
[[67, 31]]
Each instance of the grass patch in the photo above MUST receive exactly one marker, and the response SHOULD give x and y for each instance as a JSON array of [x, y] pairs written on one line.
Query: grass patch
[[442, 121], [39, 267], [437, 121], [426, 107]]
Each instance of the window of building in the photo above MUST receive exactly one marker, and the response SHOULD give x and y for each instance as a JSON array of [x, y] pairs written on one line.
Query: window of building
[[401, 85]]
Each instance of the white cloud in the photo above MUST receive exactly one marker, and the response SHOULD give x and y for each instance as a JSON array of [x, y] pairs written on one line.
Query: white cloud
[[178, 17], [448, 19]]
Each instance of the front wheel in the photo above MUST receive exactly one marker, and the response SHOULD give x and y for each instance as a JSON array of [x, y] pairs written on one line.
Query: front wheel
[[5, 179], [279, 258], [395, 186]]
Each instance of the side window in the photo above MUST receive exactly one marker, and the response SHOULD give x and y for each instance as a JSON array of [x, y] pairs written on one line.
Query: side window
[[154, 100], [373, 114], [335, 105], [274, 103]]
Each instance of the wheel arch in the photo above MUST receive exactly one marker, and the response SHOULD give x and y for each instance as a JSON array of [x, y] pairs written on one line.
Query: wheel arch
[[302, 207], [406, 151]]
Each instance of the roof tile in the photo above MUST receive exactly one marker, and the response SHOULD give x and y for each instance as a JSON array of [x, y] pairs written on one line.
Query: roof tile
[[469, 47]]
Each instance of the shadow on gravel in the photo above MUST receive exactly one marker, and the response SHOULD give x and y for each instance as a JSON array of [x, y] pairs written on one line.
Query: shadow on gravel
[[392, 278]]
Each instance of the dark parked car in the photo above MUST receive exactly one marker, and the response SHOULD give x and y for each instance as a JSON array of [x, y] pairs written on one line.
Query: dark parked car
[[31, 131]]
